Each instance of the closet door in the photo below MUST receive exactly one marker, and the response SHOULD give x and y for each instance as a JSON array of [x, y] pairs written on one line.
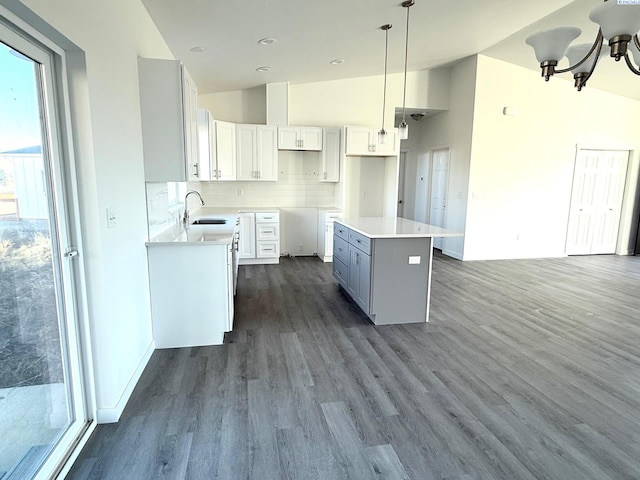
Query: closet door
[[596, 201]]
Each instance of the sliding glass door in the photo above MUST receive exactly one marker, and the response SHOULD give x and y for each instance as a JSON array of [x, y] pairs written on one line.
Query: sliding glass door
[[42, 407]]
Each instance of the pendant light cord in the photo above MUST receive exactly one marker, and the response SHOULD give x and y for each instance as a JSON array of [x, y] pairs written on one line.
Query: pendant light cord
[[384, 91], [406, 56]]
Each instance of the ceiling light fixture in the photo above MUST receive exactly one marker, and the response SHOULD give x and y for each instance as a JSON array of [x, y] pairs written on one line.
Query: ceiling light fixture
[[263, 69], [337, 61], [382, 134], [267, 41], [619, 24], [403, 128], [197, 49]]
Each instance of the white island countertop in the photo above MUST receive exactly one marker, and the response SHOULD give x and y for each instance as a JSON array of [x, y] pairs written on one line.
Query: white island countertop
[[394, 227]]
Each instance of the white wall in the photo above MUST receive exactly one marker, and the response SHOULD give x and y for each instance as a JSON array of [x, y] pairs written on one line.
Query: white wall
[[113, 34], [240, 106], [452, 129], [522, 166]]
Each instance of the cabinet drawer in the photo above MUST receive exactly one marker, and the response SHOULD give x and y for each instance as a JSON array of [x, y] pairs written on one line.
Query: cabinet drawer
[[340, 272], [341, 231], [340, 249], [266, 249], [267, 231], [267, 217], [360, 241]]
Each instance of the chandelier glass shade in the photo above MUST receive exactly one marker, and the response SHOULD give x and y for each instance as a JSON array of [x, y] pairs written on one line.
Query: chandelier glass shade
[[618, 36]]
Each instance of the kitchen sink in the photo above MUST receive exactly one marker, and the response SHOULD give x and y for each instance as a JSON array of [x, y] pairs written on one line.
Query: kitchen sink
[[209, 221]]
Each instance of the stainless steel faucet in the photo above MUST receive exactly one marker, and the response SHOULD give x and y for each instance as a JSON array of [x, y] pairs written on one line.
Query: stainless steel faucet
[[185, 219]]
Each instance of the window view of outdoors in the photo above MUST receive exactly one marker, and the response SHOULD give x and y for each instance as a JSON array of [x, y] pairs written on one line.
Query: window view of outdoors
[[34, 403]]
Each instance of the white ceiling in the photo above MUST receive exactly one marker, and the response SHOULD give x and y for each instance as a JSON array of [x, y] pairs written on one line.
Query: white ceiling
[[311, 33]]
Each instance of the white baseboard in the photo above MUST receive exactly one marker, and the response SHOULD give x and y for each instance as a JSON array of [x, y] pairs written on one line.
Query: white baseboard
[[452, 253], [112, 415]]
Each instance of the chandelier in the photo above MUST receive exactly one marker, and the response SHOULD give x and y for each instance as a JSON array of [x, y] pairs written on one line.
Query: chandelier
[[619, 22]]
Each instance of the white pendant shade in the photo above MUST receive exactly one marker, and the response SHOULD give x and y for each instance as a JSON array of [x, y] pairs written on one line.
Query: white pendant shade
[[403, 131], [553, 44], [382, 137], [635, 52], [616, 19], [575, 53]]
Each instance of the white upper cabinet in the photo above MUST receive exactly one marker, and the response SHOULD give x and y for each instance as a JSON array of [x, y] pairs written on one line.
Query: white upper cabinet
[[330, 156], [300, 138], [257, 152], [363, 141], [225, 151], [217, 152], [168, 110]]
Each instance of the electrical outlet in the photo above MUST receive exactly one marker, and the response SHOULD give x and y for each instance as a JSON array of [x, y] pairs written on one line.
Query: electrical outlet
[[300, 248], [240, 192], [414, 260]]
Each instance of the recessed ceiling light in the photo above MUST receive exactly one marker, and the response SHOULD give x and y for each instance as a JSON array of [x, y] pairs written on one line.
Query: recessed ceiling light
[[197, 49], [263, 69], [337, 61], [267, 41]]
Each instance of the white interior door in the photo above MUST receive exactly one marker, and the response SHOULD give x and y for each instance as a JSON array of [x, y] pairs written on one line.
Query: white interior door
[[596, 201], [439, 187]]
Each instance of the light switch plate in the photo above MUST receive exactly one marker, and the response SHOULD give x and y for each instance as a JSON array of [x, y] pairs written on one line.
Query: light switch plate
[[111, 217], [414, 260]]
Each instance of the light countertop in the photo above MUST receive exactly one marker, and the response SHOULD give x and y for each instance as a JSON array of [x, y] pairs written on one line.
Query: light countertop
[[394, 227], [182, 234]]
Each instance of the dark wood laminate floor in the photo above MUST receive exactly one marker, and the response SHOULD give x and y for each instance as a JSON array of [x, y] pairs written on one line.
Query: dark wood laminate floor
[[529, 369]]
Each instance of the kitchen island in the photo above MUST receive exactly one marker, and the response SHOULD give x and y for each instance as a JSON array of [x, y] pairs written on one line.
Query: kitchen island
[[384, 265]]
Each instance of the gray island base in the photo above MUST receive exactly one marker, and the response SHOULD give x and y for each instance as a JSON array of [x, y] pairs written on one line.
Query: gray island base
[[384, 265]]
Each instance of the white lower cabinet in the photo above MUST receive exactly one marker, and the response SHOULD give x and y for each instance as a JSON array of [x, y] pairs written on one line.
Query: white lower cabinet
[[325, 233], [191, 294], [259, 238]]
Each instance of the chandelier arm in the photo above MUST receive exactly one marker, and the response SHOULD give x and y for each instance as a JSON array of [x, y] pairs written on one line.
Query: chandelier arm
[[630, 65], [593, 67], [636, 41], [597, 44]]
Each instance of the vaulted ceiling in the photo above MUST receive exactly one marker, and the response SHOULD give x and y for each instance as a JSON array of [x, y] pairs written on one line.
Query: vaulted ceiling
[[309, 34]]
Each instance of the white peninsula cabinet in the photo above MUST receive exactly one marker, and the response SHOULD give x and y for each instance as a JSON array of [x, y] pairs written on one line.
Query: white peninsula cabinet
[[217, 141], [168, 109], [257, 152], [300, 138], [363, 141]]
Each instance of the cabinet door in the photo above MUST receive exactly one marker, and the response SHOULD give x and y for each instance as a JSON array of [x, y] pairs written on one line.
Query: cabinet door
[[267, 153], [230, 291], [289, 138], [328, 239], [206, 145], [311, 138], [247, 241], [225, 136], [353, 280], [364, 281], [359, 141], [190, 99], [330, 156], [246, 152]]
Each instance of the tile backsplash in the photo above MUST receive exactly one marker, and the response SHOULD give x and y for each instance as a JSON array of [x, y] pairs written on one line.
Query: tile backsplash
[[298, 185]]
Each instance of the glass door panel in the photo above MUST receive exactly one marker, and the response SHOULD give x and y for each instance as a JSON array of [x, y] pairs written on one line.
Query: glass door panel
[[37, 406]]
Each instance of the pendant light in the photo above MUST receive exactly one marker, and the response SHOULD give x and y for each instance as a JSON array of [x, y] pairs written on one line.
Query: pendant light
[[382, 134], [403, 128]]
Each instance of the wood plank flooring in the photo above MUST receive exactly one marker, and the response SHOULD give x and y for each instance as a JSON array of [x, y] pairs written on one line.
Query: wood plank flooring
[[529, 369]]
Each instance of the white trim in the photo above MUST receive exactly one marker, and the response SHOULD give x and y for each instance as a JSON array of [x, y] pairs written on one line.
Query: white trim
[[82, 441], [112, 415]]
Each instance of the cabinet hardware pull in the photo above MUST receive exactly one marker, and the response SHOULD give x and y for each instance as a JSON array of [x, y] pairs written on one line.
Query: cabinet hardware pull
[[195, 170]]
